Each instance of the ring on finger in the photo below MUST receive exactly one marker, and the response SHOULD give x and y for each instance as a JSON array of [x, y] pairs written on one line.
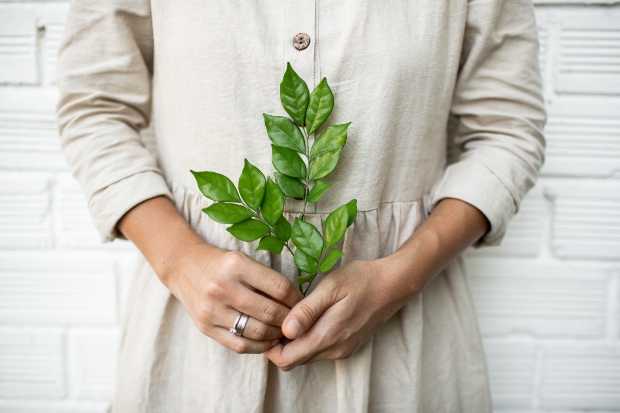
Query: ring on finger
[[240, 323], [233, 329]]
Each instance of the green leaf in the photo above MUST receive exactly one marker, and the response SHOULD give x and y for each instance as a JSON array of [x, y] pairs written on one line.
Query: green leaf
[[351, 211], [249, 230], [334, 137], [335, 226], [307, 238], [282, 229], [294, 95], [252, 185], [283, 132], [324, 164], [273, 203], [305, 262], [330, 260], [271, 244], [216, 186], [320, 106], [317, 190], [305, 278], [227, 213], [290, 186], [288, 162]]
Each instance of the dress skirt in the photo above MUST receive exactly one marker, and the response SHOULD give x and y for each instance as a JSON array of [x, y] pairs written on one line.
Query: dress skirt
[[427, 358]]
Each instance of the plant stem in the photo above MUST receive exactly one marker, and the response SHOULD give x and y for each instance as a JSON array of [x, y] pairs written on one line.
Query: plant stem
[[307, 188], [312, 279], [271, 230], [289, 250]]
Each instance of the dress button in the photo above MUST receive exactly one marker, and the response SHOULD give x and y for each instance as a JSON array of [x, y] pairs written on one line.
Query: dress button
[[301, 41]]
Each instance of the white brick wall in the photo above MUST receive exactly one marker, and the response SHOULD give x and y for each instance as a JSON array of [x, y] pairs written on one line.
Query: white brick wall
[[548, 299]]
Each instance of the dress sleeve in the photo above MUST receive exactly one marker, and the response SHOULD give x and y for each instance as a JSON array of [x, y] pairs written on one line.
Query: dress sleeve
[[105, 63], [500, 110]]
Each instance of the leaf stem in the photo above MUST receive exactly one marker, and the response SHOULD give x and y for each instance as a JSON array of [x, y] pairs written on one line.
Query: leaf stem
[[289, 250], [271, 229], [307, 187], [317, 271]]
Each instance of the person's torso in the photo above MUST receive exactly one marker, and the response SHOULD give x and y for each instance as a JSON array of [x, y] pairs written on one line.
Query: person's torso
[[391, 65]]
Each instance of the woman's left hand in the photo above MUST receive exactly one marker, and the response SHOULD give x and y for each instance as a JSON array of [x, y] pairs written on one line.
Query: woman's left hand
[[340, 315], [349, 304]]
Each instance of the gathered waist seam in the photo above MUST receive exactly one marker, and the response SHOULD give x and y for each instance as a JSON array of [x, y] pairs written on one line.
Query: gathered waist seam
[[424, 200]]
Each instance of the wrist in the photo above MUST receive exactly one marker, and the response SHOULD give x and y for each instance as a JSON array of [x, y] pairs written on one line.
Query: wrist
[[162, 234], [168, 267], [409, 269]]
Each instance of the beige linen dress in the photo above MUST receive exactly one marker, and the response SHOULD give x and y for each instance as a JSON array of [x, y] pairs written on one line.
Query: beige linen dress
[[204, 71]]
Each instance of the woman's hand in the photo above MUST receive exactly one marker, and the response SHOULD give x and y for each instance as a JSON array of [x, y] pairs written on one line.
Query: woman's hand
[[340, 315], [214, 285], [349, 304]]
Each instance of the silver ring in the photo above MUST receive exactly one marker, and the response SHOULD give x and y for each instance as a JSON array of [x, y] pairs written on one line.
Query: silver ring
[[240, 323]]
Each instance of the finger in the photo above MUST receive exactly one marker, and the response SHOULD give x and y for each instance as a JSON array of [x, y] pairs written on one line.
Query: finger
[[258, 306], [242, 345], [273, 284], [289, 356], [323, 355], [305, 313], [254, 329]]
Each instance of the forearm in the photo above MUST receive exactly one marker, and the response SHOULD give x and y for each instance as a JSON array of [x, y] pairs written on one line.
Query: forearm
[[452, 227], [160, 232], [213, 284]]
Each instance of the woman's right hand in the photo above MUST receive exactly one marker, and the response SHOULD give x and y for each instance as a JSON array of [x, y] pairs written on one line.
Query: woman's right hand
[[214, 285]]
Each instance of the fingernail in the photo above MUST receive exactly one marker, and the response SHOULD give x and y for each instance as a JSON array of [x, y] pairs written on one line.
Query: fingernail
[[275, 342], [293, 327]]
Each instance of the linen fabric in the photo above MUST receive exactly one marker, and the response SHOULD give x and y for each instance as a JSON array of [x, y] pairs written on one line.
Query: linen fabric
[[203, 72]]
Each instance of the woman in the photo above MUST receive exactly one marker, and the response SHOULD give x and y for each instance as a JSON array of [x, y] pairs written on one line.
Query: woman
[[393, 329]]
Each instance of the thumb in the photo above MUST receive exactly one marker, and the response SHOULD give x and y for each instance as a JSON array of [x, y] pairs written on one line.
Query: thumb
[[305, 313]]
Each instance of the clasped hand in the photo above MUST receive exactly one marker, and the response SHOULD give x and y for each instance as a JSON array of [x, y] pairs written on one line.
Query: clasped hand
[[339, 316], [343, 311]]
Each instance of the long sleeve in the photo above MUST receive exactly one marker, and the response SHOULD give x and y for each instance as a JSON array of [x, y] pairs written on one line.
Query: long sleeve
[[105, 63], [500, 110]]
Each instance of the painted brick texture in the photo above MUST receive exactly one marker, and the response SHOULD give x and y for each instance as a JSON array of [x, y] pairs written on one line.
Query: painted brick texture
[[548, 298]]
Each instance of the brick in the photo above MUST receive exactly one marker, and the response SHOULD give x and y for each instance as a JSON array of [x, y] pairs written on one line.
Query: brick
[[76, 227], [589, 53], [75, 223], [511, 366], [25, 216], [524, 233], [614, 330], [542, 22], [515, 296], [59, 288], [18, 44], [28, 135], [31, 364], [93, 367], [583, 137], [586, 219], [50, 406], [53, 21], [581, 376]]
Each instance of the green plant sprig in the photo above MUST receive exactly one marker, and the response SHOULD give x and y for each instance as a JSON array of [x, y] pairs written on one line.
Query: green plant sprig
[[256, 209]]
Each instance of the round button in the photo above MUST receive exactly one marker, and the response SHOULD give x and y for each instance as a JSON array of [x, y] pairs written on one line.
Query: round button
[[301, 41]]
